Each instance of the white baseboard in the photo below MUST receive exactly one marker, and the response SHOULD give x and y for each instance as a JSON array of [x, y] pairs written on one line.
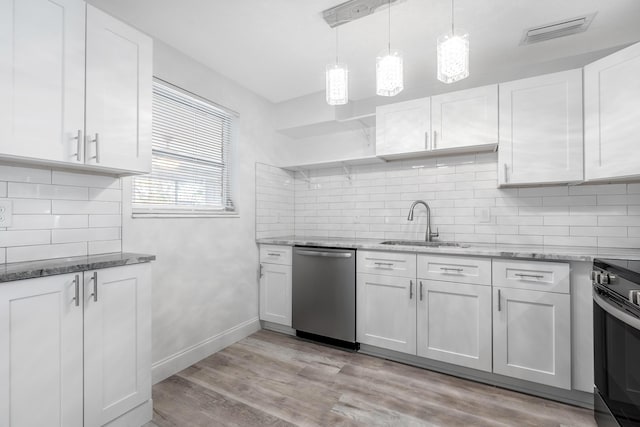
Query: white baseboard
[[177, 362]]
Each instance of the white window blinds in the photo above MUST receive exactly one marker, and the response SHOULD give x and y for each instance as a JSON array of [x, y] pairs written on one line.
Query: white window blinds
[[191, 158]]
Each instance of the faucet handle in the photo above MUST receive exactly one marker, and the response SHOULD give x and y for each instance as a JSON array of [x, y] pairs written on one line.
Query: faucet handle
[[436, 234]]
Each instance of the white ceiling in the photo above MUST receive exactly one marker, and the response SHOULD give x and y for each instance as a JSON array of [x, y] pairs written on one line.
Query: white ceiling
[[279, 48]]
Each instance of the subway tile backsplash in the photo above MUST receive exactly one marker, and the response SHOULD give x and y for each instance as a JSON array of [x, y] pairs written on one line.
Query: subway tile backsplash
[[274, 201], [59, 213], [373, 201]]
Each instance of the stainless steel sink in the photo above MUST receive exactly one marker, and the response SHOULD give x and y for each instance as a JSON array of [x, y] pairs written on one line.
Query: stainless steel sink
[[422, 243]]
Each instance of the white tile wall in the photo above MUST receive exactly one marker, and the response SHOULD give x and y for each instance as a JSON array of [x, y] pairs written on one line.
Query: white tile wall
[[59, 213], [274, 201], [466, 205]]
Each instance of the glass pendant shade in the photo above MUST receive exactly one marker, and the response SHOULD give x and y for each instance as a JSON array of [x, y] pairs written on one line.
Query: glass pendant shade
[[389, 73], [337, 84], [453, 57]]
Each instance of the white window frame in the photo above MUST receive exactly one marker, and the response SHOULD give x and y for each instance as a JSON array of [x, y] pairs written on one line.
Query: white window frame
[[185, 211]]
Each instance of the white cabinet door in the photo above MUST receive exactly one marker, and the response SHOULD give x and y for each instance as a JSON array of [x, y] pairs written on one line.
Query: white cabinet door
[[275, 293], [386, 312], [541, 130], [119, 83], [117, 341], [612, 116], [41, 352], [465, 118], [42, 79], [403, 127], [454, 323], [532, 336]]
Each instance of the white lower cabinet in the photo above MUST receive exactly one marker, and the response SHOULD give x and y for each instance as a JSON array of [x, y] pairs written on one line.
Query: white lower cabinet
[[386, 312], [55, 331], [275, 284], [454, 323], [532, 336]]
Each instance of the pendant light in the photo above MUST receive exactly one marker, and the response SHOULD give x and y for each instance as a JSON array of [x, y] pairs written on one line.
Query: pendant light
[[337, 78], [389, 78], [453, 54]]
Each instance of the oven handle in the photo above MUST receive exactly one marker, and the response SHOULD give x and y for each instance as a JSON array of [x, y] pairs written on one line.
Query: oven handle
[[618, 314], [325, 254]]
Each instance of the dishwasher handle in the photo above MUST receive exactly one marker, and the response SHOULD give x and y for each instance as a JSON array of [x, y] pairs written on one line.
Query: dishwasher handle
[[325, 254]]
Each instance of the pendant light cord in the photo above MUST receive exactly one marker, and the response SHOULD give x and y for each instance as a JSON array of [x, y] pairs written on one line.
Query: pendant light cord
[[389, 27], [336, 45], [452, 17]]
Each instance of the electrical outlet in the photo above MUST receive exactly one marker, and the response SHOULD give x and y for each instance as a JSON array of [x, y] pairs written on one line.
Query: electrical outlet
[[6, 213], [485, 215]]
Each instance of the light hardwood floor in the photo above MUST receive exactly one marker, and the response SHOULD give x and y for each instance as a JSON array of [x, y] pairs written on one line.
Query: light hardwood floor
[[270, 379]]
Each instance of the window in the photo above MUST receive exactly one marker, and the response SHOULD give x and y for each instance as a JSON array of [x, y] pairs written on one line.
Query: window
[[191, 157]]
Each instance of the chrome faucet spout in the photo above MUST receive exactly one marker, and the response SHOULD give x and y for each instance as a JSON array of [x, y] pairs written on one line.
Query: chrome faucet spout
[[428, 235]]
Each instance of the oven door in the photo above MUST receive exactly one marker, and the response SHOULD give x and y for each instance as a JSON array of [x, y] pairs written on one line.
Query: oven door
[[616, 360]]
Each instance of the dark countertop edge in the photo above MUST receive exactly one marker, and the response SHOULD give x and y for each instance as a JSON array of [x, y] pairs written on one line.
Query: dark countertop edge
[[550, 253], [50, 267]]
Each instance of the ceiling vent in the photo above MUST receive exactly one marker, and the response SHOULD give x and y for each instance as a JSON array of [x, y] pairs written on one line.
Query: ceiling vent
[[352, 10], [566, 27]]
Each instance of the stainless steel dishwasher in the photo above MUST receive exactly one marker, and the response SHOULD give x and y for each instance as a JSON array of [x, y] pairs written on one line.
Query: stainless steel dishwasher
[[324, 295]]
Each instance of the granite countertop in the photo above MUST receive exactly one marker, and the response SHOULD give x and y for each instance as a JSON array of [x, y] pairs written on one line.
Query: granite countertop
[[562, 253], [49, 267]]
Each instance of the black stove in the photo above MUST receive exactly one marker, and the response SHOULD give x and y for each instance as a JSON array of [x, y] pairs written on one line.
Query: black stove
[[616, 336]]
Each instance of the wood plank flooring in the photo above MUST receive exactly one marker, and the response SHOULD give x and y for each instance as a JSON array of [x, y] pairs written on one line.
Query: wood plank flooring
[[270, 379]]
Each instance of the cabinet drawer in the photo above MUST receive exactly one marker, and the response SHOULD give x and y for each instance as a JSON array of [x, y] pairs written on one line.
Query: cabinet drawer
[[387, 263], [455, 269], [533, 275], [275, 254]]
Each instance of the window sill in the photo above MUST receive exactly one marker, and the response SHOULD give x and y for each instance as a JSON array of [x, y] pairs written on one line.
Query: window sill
[[183, 214]]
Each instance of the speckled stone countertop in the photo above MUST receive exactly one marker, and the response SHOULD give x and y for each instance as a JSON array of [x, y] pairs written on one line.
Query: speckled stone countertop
[[561, 253], [49, 267]]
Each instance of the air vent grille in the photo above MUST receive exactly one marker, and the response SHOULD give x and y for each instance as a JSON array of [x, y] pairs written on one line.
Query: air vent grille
[[563, 28], [352, 10]]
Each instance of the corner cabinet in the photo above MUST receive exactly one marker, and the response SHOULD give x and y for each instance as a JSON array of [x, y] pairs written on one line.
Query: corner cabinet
[[612, 116], [73, 100], [541, 130], [77, 343], [275, 284]]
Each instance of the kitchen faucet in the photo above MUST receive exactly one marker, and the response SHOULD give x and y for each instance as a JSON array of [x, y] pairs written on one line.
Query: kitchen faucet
[[428, 235]]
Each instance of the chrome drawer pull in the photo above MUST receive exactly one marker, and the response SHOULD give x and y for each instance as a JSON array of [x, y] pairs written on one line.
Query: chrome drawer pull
[[273, 254], [76, 282], [410, 289], [383, 263], [459, 270], [533, 276]]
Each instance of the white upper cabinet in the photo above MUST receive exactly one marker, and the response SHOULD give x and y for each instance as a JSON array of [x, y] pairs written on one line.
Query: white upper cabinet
[[119, 80], [612, 116], [541, 130], [465, 118], [403, 127], [45, 65], [42, 79]]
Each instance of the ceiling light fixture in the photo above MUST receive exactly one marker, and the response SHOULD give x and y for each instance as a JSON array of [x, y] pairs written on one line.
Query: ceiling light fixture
[[337, 78], [389, 79], [453, 54]]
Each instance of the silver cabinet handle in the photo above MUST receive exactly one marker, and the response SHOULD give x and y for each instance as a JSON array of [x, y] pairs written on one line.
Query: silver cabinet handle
[[95, 286], [435, 139], [506, 175], [410, 289], [77, 285], [273, 254], [499, 306], [325, 254], [79, 144], [426, 140], [383, 263], [97, 142], [533, 276], [459, 270], [261, 274], [421, 290]]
